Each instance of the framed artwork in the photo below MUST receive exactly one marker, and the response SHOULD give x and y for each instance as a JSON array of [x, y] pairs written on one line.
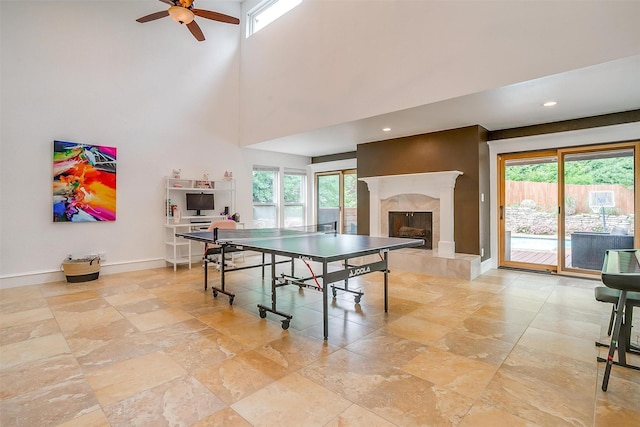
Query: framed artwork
[[84, 182]]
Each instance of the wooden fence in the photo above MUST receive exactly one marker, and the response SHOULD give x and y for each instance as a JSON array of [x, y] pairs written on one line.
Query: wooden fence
[[545, 196]]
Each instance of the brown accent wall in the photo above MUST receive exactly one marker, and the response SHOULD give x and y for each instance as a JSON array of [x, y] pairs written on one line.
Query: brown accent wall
[[463, 149]]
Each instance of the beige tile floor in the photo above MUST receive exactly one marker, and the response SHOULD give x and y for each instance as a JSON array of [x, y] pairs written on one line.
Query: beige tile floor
[[152, 348]]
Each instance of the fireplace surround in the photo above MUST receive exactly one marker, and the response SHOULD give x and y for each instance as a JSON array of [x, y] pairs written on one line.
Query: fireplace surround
[[437, 185], [431, 192]]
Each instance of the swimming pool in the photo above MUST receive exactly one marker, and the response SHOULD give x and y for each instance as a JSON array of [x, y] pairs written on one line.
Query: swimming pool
[[540, 243]]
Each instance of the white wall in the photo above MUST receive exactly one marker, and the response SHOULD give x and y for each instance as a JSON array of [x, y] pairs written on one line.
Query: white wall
[[330, 62], [87, 72]]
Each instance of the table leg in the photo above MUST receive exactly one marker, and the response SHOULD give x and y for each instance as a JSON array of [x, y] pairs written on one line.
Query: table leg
[[273, 283], [222, 268], [626, 327], [614, 339], [386, 282], [346, 281], [221, 289], [274, 309], [325, 304], [624, 340], [206, 275]]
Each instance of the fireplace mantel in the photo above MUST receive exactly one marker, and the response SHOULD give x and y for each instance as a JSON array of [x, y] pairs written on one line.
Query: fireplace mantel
[[438, 185]]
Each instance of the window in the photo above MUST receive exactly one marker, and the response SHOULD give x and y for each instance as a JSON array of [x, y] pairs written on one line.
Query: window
[[294, 198], [265, 191], [266, 12], [279, 197]]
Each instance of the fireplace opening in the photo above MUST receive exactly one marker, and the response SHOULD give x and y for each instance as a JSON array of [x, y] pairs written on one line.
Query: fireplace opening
[[415, 225]]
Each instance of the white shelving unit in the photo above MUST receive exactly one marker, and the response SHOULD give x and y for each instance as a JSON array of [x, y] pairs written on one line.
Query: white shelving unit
[[177, 249]]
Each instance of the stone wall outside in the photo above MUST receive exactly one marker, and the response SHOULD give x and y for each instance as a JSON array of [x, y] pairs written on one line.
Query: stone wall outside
[[529, 220]]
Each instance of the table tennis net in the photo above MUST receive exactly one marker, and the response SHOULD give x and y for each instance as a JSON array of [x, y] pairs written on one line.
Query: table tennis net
[[269, 233], [329, 227]]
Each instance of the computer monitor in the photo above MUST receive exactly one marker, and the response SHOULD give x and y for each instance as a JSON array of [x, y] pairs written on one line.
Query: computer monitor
[[199, 202]]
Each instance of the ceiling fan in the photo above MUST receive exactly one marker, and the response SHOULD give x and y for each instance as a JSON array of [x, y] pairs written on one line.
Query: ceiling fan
[[183, 12]]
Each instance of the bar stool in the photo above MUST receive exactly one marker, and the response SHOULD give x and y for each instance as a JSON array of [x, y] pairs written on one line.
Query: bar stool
[[621, 272], [608, 295]]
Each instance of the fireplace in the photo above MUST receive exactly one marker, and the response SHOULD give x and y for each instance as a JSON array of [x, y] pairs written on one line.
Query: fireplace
[[415, 225], [402, 190], [429, 192]]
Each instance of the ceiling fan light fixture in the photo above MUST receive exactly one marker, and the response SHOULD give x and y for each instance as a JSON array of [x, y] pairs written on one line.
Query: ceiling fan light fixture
[[181, 14]]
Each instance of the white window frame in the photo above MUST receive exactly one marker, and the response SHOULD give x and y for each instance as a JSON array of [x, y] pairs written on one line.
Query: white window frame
[[264, 8], [276, 192], [303, 196], [278, 197]]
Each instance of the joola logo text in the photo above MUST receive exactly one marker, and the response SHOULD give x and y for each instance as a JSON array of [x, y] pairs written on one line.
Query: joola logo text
[[359, 271]]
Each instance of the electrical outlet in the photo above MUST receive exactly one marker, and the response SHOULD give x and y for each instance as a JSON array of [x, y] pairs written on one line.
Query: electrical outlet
[[103, 256], [69, 256]]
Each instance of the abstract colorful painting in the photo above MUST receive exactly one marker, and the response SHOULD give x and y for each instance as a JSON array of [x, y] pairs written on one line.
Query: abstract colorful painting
[[84, 182]]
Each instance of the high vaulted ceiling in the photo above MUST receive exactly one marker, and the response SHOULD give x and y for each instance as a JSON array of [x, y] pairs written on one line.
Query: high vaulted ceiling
[[600, 89]]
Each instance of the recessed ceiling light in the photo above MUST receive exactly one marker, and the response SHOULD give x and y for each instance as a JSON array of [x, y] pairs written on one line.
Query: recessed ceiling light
[[386, 129], [549, 103]]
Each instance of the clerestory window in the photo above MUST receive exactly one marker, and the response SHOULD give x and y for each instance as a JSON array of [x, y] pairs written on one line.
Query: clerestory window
[[266, 12]]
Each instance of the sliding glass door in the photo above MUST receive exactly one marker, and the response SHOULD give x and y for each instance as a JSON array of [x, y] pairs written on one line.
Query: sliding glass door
[[561, 210], [599, 205], [337, 199], [350, 202], [529, 211]]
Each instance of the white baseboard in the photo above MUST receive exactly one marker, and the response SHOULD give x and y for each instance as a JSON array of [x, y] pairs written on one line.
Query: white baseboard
[[41, 277], [487, 265]]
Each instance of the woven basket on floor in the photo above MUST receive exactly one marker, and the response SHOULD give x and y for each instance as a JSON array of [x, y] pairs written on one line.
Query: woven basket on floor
[[81, 270]]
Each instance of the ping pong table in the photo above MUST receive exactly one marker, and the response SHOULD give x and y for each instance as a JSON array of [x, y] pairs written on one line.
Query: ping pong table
[[319, 244]]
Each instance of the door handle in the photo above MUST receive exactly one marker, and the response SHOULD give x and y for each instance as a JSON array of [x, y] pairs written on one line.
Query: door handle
[[501, 212]]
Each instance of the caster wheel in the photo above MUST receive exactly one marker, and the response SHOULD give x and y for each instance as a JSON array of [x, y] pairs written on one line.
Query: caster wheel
[[357, 299], [231, 299], [285, 324], [263, 314], [215, 294]]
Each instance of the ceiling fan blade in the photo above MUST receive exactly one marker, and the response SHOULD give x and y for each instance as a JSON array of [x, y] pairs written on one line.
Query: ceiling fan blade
[[195, 30], [172, 3], [153, 16], [215, 16]]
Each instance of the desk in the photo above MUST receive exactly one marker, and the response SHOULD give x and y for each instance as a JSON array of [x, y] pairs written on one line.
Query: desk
[[621, 270]]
